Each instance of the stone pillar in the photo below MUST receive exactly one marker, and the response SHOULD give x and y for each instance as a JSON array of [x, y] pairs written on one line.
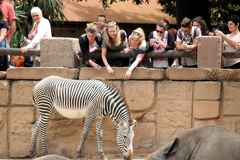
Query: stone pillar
[[60, 52], [210, 49]]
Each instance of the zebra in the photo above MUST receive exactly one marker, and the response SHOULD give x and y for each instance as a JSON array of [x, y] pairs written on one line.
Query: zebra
[[89, 99]]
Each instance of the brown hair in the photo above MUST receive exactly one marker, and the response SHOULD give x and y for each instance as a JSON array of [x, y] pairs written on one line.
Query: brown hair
[[186, 22], [91, 28], [164, 23]]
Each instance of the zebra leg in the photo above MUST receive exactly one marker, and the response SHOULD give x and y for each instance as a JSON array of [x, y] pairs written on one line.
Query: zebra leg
[[99, 138], [35, 132], [87, 124], [45, 114]]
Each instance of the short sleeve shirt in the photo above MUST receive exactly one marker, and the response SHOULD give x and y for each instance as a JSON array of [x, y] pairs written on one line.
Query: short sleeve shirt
[[120, 47]]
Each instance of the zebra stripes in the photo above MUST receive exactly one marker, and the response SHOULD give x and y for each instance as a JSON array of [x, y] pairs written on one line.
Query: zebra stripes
[[89, 99]]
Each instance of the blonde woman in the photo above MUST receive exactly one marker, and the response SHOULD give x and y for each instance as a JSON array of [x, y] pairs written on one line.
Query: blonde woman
[[89, 42], [138, 44], [114, 40]]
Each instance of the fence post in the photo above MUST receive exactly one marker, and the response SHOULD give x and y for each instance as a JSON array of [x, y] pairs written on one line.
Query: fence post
[[60, 52], [210, 52]]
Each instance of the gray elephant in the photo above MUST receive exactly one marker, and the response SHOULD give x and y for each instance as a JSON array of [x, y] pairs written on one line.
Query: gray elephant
[[209, 142]]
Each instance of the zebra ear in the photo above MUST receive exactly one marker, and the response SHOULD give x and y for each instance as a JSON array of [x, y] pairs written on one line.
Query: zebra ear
[[133, 123]]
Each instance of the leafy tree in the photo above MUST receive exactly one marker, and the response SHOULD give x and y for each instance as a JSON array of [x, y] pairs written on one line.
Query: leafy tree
[[214, 12]]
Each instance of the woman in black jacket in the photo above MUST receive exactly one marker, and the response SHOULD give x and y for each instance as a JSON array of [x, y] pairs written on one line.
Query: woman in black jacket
[[161, 39], [90, 42]]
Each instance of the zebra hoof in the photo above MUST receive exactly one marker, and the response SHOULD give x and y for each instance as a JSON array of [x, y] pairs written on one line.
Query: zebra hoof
[[32, 154]]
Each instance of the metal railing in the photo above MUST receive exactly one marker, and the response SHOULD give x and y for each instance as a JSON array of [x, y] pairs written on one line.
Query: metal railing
[[121, 54]]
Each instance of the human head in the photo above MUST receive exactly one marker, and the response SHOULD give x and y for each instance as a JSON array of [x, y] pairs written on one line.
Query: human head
[[162, 26], [36, 14], [201, 24], [101, 21], [137, 37], [91, 31], [112, 34], [233, 22], [186, 25], [2, 16]]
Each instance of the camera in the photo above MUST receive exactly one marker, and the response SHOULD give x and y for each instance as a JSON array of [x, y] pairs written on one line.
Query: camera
[[213, 31]]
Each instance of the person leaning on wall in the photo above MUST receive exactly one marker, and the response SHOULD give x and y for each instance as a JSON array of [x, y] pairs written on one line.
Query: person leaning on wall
[[231, 41], [138, 44], [89, 42], [161, 39], [114, 40], [41, 28], [187, 39]]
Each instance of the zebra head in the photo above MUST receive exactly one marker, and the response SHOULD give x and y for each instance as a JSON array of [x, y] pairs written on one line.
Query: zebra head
[[125, 137]]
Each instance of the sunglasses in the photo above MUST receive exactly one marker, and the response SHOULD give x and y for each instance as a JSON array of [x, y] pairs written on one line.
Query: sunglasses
[[160, 31], [139, 34], [111, 24]]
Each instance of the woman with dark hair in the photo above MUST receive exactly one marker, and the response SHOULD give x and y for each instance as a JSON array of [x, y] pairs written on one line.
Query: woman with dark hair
[[4, 65], [161, 39], [201, 24], [231, 41]]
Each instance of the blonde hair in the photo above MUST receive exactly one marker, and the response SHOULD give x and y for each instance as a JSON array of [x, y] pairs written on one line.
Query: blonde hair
[[138, 33], [109, 40], [91, 28]]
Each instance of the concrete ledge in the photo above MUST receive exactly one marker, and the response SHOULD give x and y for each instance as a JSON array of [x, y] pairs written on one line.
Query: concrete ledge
[[202, 74], [119, 72], [37, 73], [2, 75]]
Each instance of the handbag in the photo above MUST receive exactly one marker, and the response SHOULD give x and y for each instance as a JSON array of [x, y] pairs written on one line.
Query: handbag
[[17, 61]]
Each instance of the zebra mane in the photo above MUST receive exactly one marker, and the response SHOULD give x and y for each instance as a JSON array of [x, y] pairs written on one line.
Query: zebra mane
[[112, 85]]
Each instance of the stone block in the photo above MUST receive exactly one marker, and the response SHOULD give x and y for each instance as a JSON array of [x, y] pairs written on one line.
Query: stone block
[[187, 74], [173, 104], [60, 52], [21, 93], [2, 75], [206, 109], [210, 52], [119, 72], [21, 125], [38, 73], [207, 90], [139, 94], [230, 98], [4, 147], [4, 92]]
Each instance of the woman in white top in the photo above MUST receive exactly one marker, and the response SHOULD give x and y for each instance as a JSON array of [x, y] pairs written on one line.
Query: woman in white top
[[230, 41], [41, 28]]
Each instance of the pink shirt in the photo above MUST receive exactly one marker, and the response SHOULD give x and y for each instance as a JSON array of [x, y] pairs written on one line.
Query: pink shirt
[[8, 10]]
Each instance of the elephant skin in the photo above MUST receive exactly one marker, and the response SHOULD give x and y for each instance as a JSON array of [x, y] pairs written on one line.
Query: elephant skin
[[209, 142], [51, 157]]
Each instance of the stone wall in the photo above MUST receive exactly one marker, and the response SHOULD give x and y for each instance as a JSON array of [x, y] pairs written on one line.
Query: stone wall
[[164, 102]]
